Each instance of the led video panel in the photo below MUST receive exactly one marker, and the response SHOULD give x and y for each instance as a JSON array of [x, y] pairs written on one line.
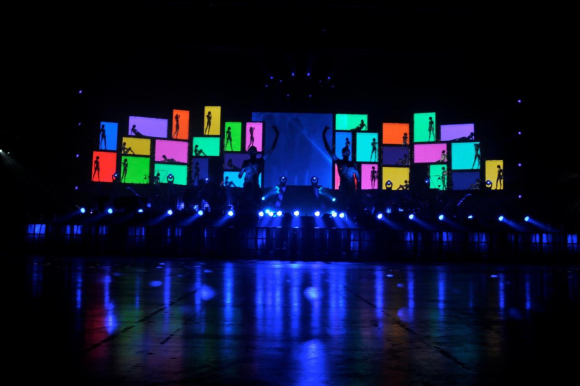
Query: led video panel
[[148, 127], [134, 170], [199, 170], [108, 135], [396, 155], [465, 156], [438, 179], [342, 140], [357, 122], [424, 127], [429, 153], [238, 182], [135, 146], [396, 134], [233, 136], [494, 173], [103, 167], [212, 120], [180, 125], [369, 175], [179, 173], [171, 151], [234, 161], [367, 147], [206, 146], [397, 176], [465, 180], [254, 132], [463, 132]]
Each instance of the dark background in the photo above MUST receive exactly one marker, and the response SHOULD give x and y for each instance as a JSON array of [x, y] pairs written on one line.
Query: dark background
[[469, 63]]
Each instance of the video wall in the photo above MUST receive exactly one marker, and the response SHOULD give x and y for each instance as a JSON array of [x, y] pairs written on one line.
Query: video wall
[[183, 148]]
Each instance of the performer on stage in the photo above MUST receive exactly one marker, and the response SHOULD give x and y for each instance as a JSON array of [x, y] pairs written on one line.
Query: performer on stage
[[136, 132], [198, 151], [168, 160], [126, 150], [103, 136], [477, 157], [499, 180], [251, 137], [196, 174], [97, 169], [443, 158], [444, 176], [431, 129], [229, 139], [404, 186], [125, 167], [347, 171], [176, 133], [360, 126], [373, 178], [251, 170], [208, 126], [374, 149], [405, 139]]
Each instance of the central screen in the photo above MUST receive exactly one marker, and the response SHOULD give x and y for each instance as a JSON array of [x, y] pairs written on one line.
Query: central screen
[[300, 152]]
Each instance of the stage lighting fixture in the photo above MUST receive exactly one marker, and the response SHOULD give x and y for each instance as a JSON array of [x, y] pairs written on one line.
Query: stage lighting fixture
[[110, 211], [519, 196], [519, 101], [230, 213], [314, 180], [500, 218], [76, 188], [0, 150], [271, 78], [389, 185], [279, 213], [441, 217], [328, 77], [170, 178], [80, 91], [261, 213], [333, 213], [341, 215], [83, 210], [519, 164], [333, 199], [200, 212], [519, 133], [78, 155], [170, 212], [296, 213], [293, 74], [263, 198], [283, 180], [206, 179], [309, 95], [287, 95], [470, 217], [280, 80], [317, 213], [527, 218], [380, 216], [271, 214], [140, 211], [426, 180], [411, 216], [307, 74], [389, 210]]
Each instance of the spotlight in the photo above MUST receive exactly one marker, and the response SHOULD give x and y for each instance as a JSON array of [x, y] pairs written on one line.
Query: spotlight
[[500, 218], [488, 184], [317, 213], [527, 218], [83, 210], [380, 216], [287, 95], [519, 164], [470, 217], [426, 180], [78, 155], [261, 213], [296, 213], [341, 215], [268, 211], [519, 101], [441, 217], [328, 77], [170, 178], [271, 78], [411, 216], [170, 212], [140, 211], [333, 213], [0, 150], [333, 199], [279, 213], [519, 133], [293, 74], [76, 188], [80, 91], [314, 180], [110, 211], [230, 213], [263, 198], [389, 210], [200, 212], [519, 196], [307, 74], [283, 180], [271, 214]]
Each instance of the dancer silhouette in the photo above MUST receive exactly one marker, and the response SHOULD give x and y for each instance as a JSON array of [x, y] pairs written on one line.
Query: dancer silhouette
[[403, 161], [444, 175], [347, 143], [251, 137], [443, 158], [229, 139], [136, 132], [405, 139], [176, 133], [404, 186], [196, 174], [374, 149], [168, 160], [125, 167], [103, 136], [228, 184], [431, 129], [97, 169], [373, 178], [360, 126], [477, 156], [499, 179], [347, 170], [198, 151], [476, 185], [208, 125], [126, 150]]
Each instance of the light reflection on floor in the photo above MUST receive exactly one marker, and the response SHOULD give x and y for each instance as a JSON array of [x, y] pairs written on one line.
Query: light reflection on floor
[[271, 322]]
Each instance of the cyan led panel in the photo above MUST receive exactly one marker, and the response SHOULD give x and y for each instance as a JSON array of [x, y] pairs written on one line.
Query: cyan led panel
[[465, 156]]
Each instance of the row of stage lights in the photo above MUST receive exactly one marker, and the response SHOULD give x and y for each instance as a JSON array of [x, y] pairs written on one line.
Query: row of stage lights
[[296, 213], [441, 217]]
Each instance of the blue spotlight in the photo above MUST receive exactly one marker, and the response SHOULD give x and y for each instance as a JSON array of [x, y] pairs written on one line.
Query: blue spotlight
[[389, 210], [500, 218], [200, 212], [296, 213], [317, 213], [307, 74], [261, 213], [230, 213], [140, 211], [333, 199], [110, 211], [470, 217], [270, 213], [527, 218], [293, 74], [333, 213], [83, 210], [279, 213], [263, 198], [170, 212], [380, 216], [411, 216], [441, 217], [341, 215]]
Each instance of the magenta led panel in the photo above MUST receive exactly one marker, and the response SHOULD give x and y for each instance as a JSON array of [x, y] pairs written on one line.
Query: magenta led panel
[[174, 151], [254, 137], [148, 127], [369, 175], [457, 132], [429, 153]]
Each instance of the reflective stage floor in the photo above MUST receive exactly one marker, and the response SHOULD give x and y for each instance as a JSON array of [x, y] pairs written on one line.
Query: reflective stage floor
[[182, 321]]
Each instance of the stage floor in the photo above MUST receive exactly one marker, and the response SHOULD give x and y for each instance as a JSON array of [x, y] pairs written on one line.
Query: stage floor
[[184, 321]]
